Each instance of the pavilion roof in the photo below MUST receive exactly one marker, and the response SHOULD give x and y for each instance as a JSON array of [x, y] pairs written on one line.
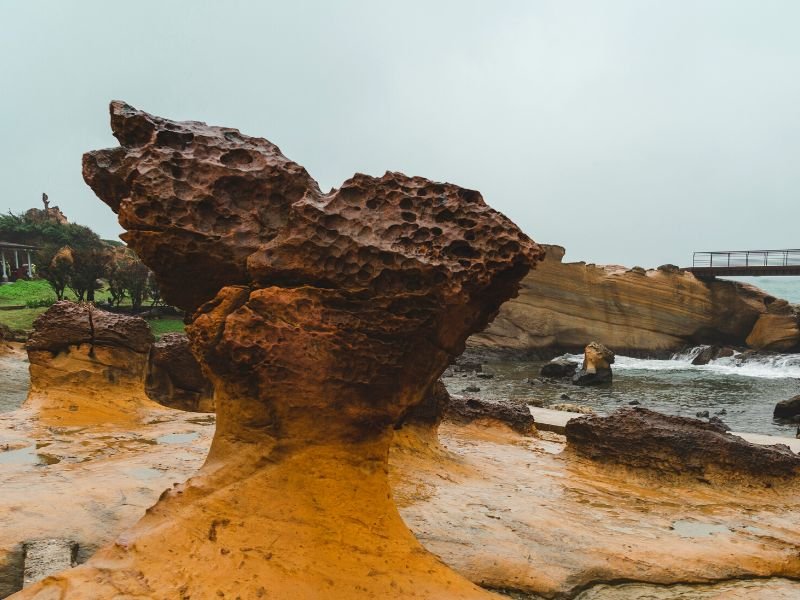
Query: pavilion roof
[[12, 246]]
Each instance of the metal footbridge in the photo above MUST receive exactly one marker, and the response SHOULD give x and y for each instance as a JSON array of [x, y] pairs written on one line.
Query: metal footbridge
[[752, 263]]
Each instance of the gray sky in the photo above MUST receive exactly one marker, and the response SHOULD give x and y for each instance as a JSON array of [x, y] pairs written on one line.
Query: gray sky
[[628, 131]]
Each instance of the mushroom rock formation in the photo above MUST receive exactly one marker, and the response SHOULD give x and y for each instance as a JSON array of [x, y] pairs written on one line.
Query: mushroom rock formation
[[666, 444], [320, 319], [174, 377], [596, 367], [87, 365]]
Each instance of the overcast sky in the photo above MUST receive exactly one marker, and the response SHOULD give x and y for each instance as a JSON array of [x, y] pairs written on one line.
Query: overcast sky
[[630, 132]]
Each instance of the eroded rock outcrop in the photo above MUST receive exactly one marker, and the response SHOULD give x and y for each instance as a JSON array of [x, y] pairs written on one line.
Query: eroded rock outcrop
[[596, 366], [788, 409], [777, 330], [512, 412], [174, 377], [87, 365], [321, 319], [657, 311], [670, 445]]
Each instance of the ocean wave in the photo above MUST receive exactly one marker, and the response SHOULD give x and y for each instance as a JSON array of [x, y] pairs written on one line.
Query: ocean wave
[[776, 366]]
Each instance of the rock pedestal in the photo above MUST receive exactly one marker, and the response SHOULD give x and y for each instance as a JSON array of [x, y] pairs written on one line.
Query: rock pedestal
[[88, 365], [596, 367], [320, 319]]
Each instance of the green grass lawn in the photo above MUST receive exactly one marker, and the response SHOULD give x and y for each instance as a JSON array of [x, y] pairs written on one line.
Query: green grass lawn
[[22, 292], [20, 319], [164, 325], [38, 290]]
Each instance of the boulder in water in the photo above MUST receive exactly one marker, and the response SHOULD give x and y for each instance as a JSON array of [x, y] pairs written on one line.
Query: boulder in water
[[559, 368], [709, 353], [596, 367], [788, 409]]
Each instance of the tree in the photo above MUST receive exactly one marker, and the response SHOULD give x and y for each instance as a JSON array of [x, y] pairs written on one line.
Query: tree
[[55, 265], [153, 291], [90, 264], [128, 276]]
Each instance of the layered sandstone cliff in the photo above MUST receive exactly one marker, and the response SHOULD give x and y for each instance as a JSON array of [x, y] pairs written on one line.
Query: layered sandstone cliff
[[562, 306], [320, 319]]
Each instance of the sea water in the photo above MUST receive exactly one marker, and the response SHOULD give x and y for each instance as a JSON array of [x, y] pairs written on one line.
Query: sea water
[[742, 392], [787, 288]]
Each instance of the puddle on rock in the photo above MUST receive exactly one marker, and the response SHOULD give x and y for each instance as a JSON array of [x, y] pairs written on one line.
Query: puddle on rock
[[692, 529], [177, 438], [27, 456]]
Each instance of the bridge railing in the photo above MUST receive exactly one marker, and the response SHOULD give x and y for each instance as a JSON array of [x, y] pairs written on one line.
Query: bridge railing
[[747, 258]]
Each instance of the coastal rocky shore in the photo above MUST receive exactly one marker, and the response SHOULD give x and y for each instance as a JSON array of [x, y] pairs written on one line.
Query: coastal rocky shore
[[336, 464], [561, 306]]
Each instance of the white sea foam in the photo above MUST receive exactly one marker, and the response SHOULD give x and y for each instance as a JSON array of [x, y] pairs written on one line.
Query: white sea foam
[[778, 366]]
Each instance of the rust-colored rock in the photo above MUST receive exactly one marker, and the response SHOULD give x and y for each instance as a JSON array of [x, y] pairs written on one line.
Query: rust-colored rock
[[68, 323], [174, 377], [77, 354], [322, 319], [644, 439]]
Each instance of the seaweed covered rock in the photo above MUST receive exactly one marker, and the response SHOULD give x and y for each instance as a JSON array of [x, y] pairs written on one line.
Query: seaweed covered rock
[[320, 320], [174, 377], [88, 365], [665, 444]]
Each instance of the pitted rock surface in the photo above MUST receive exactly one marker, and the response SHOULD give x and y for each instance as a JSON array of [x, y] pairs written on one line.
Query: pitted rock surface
[[68, 323], [641, 438], [174, 377], [349, 292], [320, 319]]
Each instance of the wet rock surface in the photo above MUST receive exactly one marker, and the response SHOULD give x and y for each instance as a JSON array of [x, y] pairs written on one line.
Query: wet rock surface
[[788, 409], [644, 439], [709, 353], [174, 377], [552, 523], [559, 368], [596, 367], [513, 413], [338, 309]]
